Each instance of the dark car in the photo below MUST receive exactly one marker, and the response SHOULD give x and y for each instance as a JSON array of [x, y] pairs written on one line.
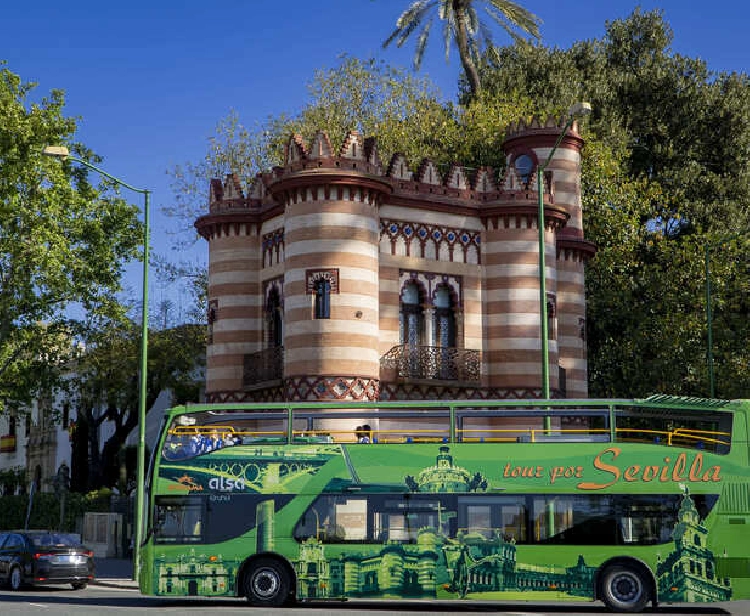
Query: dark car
[[44, 557]]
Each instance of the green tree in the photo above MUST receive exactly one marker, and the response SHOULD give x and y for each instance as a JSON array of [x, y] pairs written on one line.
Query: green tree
[[678, 136], [63, 242], [105, 377], [404, 112], [462, 26]]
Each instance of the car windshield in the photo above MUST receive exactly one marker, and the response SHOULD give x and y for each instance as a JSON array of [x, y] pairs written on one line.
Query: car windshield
[[55, 539]]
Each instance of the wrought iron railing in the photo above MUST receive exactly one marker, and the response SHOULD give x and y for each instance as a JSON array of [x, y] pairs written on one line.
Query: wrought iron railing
[[431, 363], [266, 365]]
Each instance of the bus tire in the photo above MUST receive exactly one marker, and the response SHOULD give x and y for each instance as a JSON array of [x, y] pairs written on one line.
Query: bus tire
[[267, 583], [625, 588]]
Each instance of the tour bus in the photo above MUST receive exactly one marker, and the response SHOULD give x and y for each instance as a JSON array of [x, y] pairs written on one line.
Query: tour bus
[[629, 502]]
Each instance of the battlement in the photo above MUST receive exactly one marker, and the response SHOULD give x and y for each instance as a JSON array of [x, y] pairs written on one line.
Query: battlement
[[552, 124], [358, 157]]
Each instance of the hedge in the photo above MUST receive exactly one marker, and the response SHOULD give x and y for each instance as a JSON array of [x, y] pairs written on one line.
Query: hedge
[[45, 510]]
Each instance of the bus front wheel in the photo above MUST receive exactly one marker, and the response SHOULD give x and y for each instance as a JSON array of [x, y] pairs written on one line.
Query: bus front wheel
[[267, 583], [624, 589]]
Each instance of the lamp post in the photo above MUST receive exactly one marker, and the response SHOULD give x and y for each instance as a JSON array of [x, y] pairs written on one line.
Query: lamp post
[[576, 110], [709, 326], [62, 153]]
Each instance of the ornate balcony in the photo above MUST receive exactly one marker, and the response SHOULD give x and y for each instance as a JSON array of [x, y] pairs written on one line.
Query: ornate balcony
[[431, 363], [263, 366]]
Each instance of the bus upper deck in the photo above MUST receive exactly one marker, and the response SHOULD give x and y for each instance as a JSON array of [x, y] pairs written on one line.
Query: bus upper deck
[[661, 420]]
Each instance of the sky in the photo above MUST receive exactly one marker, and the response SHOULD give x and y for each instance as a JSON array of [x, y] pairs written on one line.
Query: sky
[[150, 79]]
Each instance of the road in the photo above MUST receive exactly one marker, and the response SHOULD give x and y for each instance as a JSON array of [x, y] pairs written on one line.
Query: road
[[54, 601]]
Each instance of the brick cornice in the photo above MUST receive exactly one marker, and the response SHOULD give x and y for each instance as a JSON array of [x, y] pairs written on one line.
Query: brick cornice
[[555, 216], [573, 240], [326, 177]]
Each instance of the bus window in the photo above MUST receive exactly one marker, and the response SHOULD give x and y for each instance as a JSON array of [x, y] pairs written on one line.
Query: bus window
[[648, 520], [492, 516], [334, 519], [178, 521], [479, 520], [604, 519]]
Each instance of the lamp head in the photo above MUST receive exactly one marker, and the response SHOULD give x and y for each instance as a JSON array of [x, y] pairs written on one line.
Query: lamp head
[[58, 151], [579, 109]]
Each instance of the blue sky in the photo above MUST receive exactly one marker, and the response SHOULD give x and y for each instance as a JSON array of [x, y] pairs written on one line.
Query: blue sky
[[150, 79]]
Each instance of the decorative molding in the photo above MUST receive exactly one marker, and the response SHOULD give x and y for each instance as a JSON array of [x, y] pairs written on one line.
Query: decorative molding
[[432, 240], [429, 282], [273, 247], [313, 388], [314, 275]]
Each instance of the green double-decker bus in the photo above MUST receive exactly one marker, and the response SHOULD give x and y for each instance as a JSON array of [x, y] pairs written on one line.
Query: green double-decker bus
[[629, 502]]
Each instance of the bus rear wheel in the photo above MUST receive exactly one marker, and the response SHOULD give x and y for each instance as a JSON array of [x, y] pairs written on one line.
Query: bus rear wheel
[[624, 588], [267, 583]]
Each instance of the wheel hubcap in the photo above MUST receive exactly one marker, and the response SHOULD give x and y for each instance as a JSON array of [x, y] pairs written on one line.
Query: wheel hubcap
[[15, 578], [266, 583], [626, 588]]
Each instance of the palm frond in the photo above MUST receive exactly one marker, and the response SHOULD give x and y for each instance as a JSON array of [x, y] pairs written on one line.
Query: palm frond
[[472, 20], [421, 44], [506, 12], [447, 37], [446, 9], [409, 21]]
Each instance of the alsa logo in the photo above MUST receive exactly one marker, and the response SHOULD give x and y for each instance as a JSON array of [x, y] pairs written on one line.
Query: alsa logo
[[223, 484]]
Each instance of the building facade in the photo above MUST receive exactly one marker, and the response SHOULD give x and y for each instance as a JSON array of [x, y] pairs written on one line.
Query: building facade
[[336, 277]]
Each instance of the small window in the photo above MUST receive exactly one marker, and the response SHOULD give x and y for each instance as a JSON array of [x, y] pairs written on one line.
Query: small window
[[322, 299], [524, 165]]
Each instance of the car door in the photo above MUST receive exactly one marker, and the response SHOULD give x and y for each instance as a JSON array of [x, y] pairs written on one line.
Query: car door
[[3, 559]]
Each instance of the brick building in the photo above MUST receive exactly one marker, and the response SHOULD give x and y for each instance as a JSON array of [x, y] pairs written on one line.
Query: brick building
[[336, 277]]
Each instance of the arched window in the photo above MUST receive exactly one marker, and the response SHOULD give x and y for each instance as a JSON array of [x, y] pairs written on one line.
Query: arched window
[[412, 316], [322, 298], [274, 320], [445, 318]]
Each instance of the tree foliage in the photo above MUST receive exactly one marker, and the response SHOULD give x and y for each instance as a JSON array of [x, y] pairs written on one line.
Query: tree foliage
[[462, 26], [105, 379], [405, 113], [63, 241], [678, 183]]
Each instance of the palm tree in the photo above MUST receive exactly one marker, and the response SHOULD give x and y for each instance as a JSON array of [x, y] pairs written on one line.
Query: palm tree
[[462, 25]]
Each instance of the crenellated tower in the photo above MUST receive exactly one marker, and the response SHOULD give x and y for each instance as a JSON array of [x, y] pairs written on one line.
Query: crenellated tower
[[528, 145], [331, 233]]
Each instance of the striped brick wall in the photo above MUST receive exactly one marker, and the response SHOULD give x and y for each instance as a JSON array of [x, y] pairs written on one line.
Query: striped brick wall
[[340, 233], [234, 286], [511, 303]]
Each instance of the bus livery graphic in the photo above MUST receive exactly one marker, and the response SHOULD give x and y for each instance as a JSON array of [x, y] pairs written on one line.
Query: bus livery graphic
[[640, 504]]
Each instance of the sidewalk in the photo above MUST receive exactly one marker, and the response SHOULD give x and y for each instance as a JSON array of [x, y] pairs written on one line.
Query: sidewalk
[[114, 572]]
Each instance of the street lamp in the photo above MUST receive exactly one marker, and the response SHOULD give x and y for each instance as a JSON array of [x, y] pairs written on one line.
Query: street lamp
[[709, 326], [62, 153], [576, 110]]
